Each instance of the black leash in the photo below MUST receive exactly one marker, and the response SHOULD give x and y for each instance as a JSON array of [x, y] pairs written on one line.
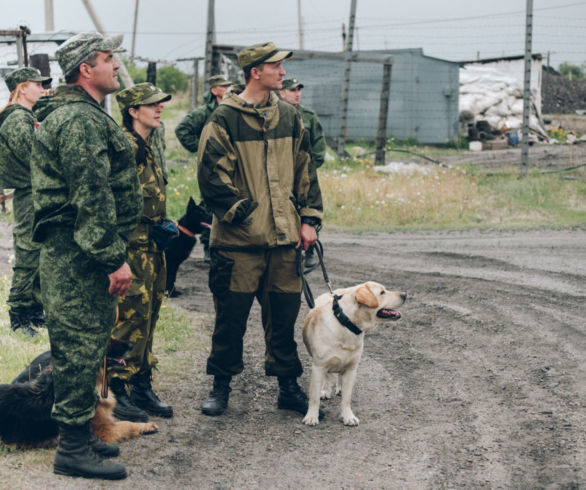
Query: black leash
[[337, 309]]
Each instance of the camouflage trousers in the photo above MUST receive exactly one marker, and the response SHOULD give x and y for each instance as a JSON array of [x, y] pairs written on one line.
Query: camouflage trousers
[[236, 278], [80, 315], [138, 312], [25, 291]]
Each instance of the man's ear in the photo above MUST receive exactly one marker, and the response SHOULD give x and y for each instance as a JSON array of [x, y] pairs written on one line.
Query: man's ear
[[365, 296]]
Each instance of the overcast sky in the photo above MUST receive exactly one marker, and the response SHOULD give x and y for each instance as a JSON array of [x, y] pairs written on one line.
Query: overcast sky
[[451, 29]]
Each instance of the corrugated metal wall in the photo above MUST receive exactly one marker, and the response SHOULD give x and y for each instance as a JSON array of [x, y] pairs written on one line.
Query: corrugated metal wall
[[423, 103]]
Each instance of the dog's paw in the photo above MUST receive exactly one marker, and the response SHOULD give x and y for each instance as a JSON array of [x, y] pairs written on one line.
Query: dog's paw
[[150, 428], [325, 395], [349, 418], [311, 419]]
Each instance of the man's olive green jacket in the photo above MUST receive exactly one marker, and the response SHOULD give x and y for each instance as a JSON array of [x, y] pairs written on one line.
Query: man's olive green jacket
[[259, 155]]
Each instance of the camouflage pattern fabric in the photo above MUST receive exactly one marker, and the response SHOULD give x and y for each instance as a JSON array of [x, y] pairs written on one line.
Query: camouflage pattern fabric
[[84, 176], [87, 200], [141, 94], [80, 315], [261, 53], [25, 290], [17, 125], [317, 138], [138, 312], [188, 131], [77, 48], [26, 74]]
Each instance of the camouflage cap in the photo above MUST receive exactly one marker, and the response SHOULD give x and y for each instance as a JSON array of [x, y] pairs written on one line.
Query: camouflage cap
[[291, 84], [141, 94], [77, 48], [261, 53], [24, 75], [218, 81]]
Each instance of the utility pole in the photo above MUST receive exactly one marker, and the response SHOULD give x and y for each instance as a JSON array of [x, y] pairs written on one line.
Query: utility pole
[[346, 85], [124, 75], [210, 39], [527, 90], [49, 16], [300, 24], [132, 49]]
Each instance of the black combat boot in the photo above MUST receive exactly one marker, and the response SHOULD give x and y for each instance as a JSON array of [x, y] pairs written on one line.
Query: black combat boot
[[103, 448], [37, 316], [217, 400], [19, 320], [291, 396], [125, 409], [144, 397], [75, 457]]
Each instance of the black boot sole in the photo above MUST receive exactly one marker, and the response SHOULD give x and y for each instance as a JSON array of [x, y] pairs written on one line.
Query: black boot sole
[[298, 409], [108, 476], [167, 414], [121, 415]]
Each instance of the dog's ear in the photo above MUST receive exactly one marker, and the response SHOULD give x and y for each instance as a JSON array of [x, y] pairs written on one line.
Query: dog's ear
[[365, 296], [191, 203]]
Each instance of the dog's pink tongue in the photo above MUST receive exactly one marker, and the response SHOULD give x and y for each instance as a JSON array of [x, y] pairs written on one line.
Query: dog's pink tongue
[[387, 313]]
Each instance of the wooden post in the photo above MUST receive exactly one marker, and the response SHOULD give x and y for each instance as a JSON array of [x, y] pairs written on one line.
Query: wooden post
[[151, 74], [210, 39], [49, 17], [346, 85], [381, 136], [195, 84], [132, 49], [527, 90]]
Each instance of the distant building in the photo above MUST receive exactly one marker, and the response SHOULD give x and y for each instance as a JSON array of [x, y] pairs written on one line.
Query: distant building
[[423, 101], [46, 43]]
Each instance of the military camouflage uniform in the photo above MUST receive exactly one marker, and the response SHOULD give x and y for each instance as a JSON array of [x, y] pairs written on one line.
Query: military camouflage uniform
[[17, 125], [139, 310], [87, 201]]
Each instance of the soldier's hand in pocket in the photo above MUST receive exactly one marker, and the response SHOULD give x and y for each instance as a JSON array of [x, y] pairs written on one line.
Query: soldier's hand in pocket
[[120, 281]]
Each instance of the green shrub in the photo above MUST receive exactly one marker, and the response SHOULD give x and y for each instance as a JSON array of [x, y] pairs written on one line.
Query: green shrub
[[171, 80]]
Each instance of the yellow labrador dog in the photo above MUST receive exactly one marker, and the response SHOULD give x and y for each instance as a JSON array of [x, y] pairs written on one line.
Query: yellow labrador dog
[[334, 336]]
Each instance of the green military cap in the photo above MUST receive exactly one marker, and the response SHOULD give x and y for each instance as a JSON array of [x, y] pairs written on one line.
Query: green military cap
[[24, 75], [77, 48], [218, 81], [291, 84], [261, 53], [141, 94]]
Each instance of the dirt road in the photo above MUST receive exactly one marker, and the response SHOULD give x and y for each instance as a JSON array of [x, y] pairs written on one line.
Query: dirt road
[[481, 384]]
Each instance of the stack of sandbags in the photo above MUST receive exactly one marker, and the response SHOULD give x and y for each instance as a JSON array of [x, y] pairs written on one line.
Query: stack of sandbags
[[496, 98]]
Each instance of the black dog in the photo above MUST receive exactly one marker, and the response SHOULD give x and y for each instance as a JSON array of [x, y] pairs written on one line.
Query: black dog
[[26, 403], [193, 222]]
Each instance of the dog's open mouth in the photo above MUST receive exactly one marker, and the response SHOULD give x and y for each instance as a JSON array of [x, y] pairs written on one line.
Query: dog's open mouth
[[388, 314]]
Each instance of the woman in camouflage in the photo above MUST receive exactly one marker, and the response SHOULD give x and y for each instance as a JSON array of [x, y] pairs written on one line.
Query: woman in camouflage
[[17, 125], [141, 108]]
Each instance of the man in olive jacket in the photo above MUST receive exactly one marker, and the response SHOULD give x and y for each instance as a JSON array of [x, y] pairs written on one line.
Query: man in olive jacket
[[254, 175], [87, 200]]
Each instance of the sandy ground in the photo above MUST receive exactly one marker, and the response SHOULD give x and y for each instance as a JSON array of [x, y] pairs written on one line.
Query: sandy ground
[[481, 384]]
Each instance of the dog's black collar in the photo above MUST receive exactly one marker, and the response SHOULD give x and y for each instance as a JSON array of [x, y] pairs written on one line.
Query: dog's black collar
[[342, 318]]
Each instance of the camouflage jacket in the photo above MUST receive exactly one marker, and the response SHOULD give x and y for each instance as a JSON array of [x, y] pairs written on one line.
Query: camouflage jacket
[[17, 126], [84, 176], [316, 135], [149, 158], [189, 130], [258, 154]]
